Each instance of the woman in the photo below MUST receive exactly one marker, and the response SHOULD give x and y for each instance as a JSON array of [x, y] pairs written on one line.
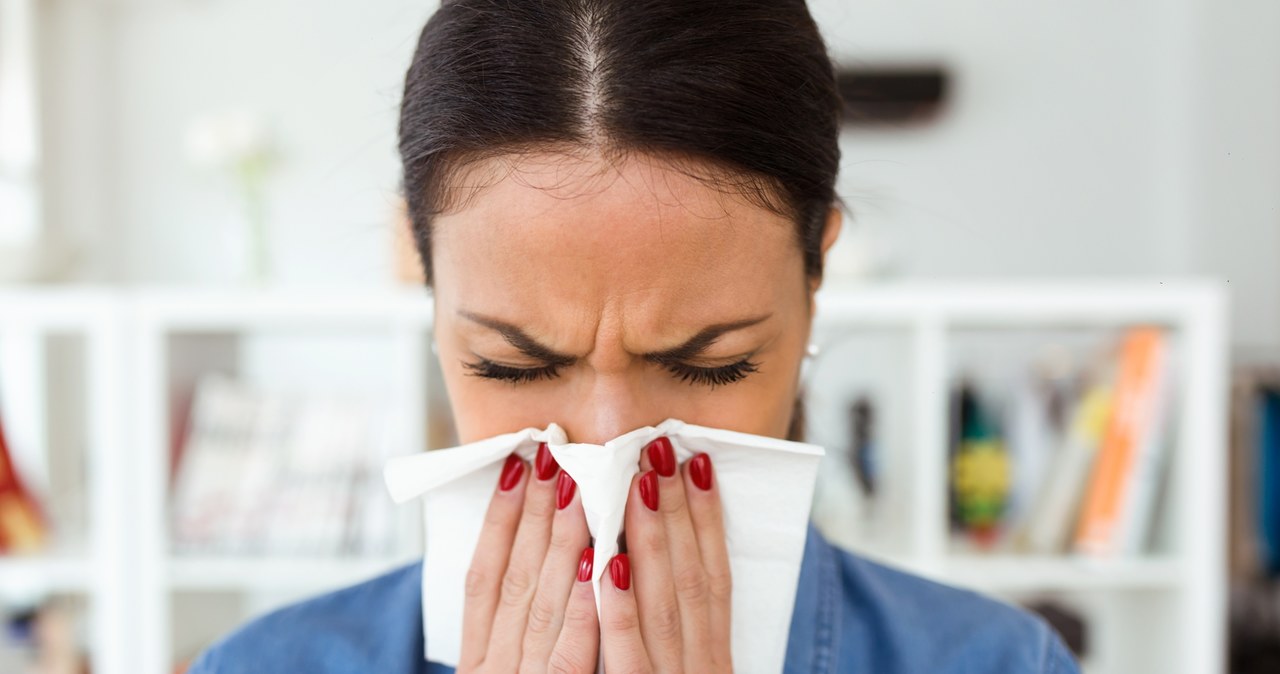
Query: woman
[[622, 208]]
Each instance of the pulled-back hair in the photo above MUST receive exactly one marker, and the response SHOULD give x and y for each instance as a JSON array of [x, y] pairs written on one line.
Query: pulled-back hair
[[738, 93]]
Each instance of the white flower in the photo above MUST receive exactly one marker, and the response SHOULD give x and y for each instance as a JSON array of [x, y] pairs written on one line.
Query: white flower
[[226, 139]]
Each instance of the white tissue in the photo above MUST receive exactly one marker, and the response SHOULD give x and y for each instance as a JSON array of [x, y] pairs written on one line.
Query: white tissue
[[766, 488]]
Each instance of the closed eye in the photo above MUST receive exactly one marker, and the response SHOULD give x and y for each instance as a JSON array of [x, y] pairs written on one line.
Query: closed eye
[[713, 376], [516, 375], [705, 376]]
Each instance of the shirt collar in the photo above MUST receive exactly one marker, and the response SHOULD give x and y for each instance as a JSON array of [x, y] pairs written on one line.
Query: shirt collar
[[816, 617]]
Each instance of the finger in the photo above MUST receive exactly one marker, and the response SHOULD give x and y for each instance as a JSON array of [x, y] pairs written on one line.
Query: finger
[[579, 640], [520, 581], [650, 562], [564, 562], [620, 641], [688, 577], [708, 520], [489, 561]]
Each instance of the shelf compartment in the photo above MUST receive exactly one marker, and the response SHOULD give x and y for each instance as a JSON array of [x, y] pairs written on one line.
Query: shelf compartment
[[21, 576], [275, 573], [1012, 573]]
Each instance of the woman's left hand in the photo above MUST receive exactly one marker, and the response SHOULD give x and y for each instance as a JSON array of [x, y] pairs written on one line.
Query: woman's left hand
[[665, 606]]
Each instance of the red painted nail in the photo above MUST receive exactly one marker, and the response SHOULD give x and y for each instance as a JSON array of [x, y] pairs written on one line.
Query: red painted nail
[[545, 465], [700, 471], [663, 457], [620, 571], [511, 472], [584, 565], [564, 491], [649, 490]]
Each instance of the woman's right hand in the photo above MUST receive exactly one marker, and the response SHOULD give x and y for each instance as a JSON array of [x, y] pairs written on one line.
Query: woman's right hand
[[529, 604]]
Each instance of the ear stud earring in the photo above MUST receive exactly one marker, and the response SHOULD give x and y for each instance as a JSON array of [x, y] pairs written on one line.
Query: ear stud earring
[[812, 350]]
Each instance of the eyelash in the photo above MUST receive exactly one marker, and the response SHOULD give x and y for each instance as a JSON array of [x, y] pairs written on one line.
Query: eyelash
[[713, 376], [707, 376], [516, 375]]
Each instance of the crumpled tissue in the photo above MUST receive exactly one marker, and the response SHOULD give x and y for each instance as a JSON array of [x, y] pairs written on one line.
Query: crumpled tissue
[[766, 489]]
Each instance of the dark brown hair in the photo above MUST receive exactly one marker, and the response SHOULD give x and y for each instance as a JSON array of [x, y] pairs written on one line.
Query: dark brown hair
[[740, 93]]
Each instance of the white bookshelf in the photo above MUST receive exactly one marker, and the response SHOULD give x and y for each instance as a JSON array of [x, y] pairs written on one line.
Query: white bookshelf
[[179, 335], [1162, 612], [89, 562]]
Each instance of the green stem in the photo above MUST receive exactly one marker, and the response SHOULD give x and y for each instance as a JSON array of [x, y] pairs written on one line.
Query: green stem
[[252, 173]]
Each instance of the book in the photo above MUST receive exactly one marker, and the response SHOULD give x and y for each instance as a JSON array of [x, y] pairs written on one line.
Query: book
[[1268, 482], [22, 525], [212, 465], [1115, 513], [280, 473], [1033, 440], [1243, 544], [1048, 528]]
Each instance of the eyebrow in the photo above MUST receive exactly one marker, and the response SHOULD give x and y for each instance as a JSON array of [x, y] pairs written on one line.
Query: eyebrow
[[690, 348]]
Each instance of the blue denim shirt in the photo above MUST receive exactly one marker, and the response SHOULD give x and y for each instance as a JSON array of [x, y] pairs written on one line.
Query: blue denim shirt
[[851, 616]]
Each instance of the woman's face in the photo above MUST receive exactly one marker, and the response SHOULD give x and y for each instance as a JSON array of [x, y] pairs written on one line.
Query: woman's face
[[609, 297]]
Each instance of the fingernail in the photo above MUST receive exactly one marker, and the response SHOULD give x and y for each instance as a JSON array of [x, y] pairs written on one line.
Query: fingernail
[[620, 572], [584, 565], [545, 464], [511, 471], [663, 457], [700, 471], [649, 490], [564, 491]]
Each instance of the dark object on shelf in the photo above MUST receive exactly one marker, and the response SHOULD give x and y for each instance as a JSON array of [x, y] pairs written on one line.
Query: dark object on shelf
[[959, 402], [892, 95], [1254, 627], [1068, 623], [863, 452]]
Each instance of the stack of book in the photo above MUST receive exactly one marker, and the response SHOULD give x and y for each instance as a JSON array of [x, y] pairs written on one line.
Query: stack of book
[[1076, 465], [281, 474]]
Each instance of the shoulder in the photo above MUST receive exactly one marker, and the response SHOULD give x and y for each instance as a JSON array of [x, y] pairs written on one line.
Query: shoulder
[[917, 618], [888, 620], [375, 625]]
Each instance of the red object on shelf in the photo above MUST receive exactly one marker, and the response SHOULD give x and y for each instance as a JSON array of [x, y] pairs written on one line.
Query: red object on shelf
[[22, 527]]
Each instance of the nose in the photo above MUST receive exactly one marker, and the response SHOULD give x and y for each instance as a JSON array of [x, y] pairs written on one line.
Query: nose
[[611, 405]]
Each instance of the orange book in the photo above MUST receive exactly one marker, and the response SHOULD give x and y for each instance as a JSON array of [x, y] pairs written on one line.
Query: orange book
[[1128, 445], [21, 525]]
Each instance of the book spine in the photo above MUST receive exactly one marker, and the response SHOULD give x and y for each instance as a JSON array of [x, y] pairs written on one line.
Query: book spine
[[1133, 414], [1048, 530], [22, 527], [1138, 510]]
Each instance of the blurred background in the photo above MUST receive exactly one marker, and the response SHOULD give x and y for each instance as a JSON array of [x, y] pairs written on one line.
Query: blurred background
[[212, 330]]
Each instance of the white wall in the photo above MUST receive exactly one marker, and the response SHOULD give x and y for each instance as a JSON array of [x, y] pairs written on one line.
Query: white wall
[[326, 76], [76, 104], [19, 152], [1236, 164], [1083, 138], [1054, 155]]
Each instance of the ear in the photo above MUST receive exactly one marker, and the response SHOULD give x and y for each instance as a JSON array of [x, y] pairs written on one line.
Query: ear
[[830, 231], [835, 220]]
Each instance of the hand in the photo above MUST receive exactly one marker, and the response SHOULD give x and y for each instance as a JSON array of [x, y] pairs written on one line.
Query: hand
[[675, 616], [529, 605]]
